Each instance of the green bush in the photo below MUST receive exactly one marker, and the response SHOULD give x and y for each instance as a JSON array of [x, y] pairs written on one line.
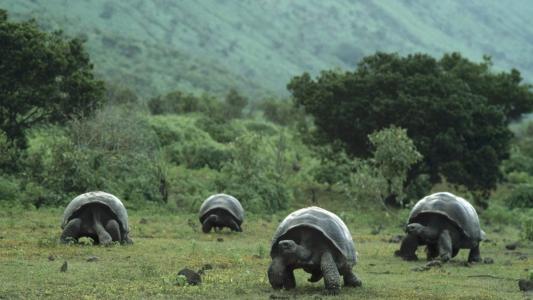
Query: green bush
[[9, 188], [258, 173], [115, 151], [527, 229], [521, 197], [180, 103]]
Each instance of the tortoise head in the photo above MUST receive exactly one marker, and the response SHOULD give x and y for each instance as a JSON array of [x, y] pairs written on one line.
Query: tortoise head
[[415, 228], [287, 247]]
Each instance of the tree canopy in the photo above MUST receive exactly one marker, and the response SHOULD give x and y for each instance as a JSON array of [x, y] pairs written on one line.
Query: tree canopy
[[44, 77], [456, 111]]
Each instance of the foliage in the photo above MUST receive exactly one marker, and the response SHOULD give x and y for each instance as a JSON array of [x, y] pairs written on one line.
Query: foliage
[[234, 103], [461, 134], [114, 151], [45, 78], [521, 196], [258, 173], [365, 186], [8, 154], [394, 154], [527, 230], [179, 103]]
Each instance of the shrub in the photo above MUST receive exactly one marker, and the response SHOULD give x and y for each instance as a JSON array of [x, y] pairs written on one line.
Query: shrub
[[521, 197], [258, 173], [527, 229]]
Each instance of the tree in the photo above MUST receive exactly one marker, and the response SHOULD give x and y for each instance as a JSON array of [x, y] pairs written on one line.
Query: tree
[[234, 103], [44, 77], [459, 128]]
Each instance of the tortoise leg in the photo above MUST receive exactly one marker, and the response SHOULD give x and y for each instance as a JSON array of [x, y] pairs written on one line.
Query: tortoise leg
[[350, 279], [113, 228], [289, 281], [103, 236], [432, 251], [474, 255], [71, 231], [234, 226], [408, 248], [445, 246], [332, 278], [208, 223], [277, 273]]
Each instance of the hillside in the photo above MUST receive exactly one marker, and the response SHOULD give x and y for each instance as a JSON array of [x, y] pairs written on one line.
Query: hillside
[[257, 46]]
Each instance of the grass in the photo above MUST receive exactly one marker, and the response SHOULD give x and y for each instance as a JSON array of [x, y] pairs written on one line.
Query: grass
[[165, 243]]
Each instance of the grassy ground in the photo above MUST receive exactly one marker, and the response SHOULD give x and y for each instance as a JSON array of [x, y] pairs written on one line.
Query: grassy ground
[[165, 243]]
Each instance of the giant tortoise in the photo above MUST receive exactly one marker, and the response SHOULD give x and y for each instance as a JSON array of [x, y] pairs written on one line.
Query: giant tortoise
[[318, 241], [98, 215]]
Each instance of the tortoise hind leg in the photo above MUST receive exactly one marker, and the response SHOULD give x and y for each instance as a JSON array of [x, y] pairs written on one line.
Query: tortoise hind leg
[[332, 278], [350, 279], [432, 251], [316, 275], [113, 228], [474, 255], [72, 231], [208, 223]]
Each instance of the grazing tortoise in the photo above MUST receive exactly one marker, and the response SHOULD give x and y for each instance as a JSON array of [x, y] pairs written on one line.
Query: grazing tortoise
[[98, 215], [318, 241], [221, 210], [444, 223]]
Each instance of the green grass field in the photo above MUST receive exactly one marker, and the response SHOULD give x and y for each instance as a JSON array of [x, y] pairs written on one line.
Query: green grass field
[[164, 243]]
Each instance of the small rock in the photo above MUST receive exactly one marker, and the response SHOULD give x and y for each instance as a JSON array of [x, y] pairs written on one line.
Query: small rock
[[92, 258], [220, 239], [193, 278], [396, 239], [511, 246], [377, 229], [143, 221], [278, 297], [525, 285], [522, 257], [488, 260], [51, 257], [372, 265], [64, 267], [207, 267], [466, 264]]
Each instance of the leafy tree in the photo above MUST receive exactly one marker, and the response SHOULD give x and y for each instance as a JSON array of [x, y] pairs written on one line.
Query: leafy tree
[[394, 155], [234, 103], [461, 132], [44, 77]]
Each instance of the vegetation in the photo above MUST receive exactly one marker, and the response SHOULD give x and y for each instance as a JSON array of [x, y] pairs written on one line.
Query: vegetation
[[365, 144], [461, 132], [45, 78]]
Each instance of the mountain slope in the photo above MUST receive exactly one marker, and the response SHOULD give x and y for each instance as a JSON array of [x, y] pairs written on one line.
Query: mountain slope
[[258, 45]]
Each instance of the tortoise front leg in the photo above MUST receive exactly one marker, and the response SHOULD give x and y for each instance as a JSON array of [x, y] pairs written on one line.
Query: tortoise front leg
[[71, 231], [289, 281], [408, 248], [432, 251], [277, 273], [474, 255], [113, 228], [332, 278], [445, 246]]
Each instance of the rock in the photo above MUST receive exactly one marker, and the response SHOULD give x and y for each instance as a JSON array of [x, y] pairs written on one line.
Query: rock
[[522, 257], [220, 239], [396, 239], [511, 246], [507, 263], [143, 221], [205, 268], [51, 257], [377, 229], [92, 258], [525, 285], [278, 297], [193, 278], [488, 260], [64, 267]]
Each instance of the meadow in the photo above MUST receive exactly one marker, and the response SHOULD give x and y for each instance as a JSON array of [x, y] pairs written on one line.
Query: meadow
[[236, 263]]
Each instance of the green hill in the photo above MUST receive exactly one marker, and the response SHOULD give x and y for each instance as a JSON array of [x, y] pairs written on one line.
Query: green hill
[[258, 45]]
